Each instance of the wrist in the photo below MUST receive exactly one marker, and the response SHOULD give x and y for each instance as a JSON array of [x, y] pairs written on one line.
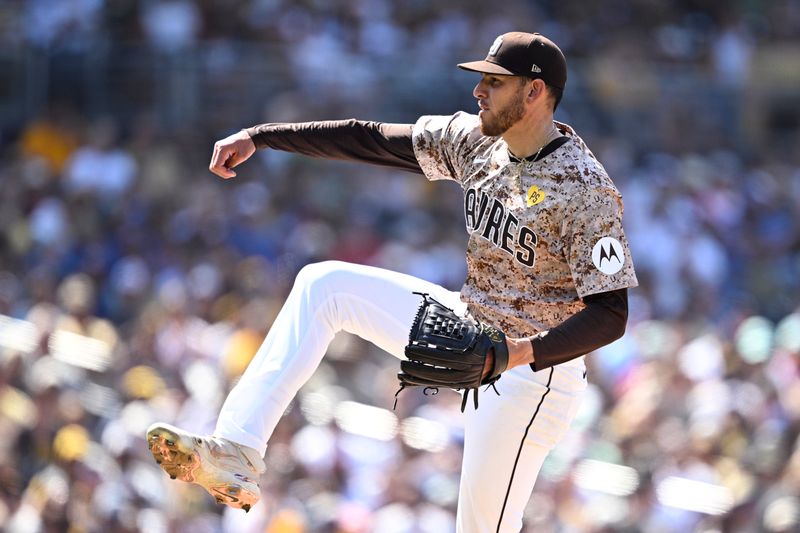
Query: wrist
[[251, 134], [520, 352]]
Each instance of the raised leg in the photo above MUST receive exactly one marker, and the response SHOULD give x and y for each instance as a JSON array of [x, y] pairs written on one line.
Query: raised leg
[[376, 304]]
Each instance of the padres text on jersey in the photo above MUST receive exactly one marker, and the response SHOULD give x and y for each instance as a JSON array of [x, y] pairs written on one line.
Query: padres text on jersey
[[499, 226]]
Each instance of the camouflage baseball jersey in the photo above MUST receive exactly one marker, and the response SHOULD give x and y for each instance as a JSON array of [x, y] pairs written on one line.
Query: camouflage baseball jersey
[[543, 234]]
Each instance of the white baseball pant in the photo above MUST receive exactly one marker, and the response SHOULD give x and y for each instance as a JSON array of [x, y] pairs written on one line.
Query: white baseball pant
[[506, 439]]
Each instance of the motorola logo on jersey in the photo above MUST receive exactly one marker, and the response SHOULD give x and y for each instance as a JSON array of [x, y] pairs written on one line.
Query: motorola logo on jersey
[[608, 255], [489, 218]]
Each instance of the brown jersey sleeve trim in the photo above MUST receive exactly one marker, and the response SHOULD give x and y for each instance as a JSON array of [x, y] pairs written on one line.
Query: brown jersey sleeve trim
[[378, 143], [601, 322]]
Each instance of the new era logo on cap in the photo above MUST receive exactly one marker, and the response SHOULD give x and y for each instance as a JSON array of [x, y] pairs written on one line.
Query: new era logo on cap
[[524, 54]]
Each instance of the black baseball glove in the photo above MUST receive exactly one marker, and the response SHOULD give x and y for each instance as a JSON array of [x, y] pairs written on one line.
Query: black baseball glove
[[446, 350]]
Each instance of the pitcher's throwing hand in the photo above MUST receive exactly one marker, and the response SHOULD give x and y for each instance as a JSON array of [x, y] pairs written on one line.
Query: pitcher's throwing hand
[[231, 152]]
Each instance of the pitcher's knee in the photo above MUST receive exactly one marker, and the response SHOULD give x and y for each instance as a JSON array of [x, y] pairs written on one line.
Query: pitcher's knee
[[316, 276]]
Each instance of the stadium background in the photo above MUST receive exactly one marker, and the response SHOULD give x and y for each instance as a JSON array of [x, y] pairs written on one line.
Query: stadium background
[[134, 285]]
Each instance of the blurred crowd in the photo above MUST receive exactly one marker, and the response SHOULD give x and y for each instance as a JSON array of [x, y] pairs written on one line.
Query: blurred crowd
[[135, 286]]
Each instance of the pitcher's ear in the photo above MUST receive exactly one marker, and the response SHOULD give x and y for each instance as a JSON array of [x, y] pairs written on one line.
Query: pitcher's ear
[[536, 88]]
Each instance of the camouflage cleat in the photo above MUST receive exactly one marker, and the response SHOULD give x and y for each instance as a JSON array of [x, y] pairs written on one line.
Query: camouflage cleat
[[228, 471]]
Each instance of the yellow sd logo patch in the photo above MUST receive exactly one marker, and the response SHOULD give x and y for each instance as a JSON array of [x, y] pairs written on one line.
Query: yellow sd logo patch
[[535, 195]]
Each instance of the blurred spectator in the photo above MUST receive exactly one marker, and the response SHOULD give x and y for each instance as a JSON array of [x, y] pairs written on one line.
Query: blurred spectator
[[171, 25], [69, 24], [101, 167]]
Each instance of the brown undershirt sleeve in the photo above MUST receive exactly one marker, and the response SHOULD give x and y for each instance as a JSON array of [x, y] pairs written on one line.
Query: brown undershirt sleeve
[[601, 322], [378, 143]]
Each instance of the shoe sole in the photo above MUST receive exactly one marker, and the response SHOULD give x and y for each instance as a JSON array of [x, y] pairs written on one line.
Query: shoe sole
[[174, 452]]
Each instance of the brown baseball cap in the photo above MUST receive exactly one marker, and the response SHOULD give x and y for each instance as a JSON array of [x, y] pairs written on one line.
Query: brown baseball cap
[[524, 54]]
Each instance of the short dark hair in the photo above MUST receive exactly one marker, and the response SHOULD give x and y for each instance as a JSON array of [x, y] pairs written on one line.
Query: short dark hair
[[556, 93]]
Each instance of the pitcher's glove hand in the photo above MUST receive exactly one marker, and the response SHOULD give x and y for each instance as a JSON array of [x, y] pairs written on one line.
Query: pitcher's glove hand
[[446, 350]]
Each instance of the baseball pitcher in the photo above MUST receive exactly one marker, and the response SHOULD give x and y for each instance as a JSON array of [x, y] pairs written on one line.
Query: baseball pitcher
[[548, 268]]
